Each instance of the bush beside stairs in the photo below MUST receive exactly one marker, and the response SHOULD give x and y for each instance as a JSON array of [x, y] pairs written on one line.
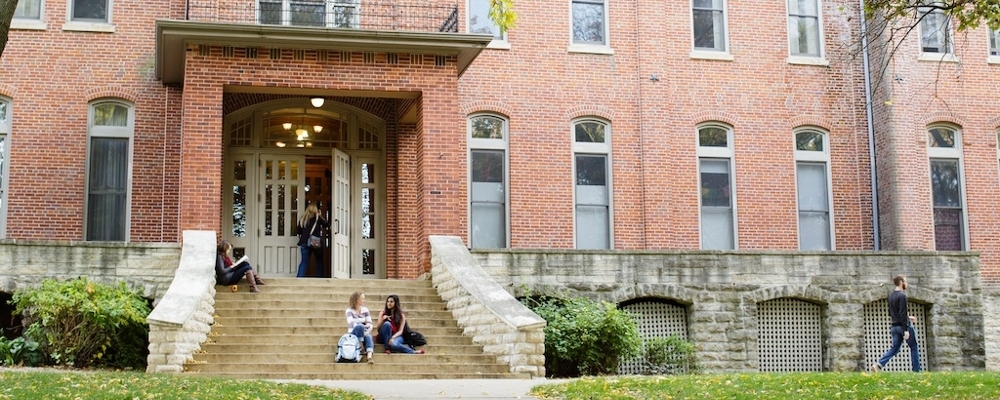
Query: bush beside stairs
[[290, 331]]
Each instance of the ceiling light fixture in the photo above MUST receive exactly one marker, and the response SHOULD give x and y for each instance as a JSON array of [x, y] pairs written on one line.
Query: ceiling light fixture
[[287, 125], [317, 128], [317, 101]]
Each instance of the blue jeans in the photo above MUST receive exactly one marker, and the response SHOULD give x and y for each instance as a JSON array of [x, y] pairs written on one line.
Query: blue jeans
[[307, 252], [359, 331], [233, 277], [396, 345], [897, 342]]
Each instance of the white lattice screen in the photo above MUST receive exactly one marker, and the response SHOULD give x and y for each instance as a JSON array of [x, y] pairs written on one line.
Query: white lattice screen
[[655, 320], [790, 336], [878, 339]]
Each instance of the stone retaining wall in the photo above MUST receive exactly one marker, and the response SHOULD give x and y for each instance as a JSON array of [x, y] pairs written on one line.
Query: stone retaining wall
[[487, 312], [721, 291]]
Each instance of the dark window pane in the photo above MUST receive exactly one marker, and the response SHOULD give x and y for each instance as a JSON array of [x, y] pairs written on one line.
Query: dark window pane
[[713, 137], [715, 189], [28, 9], [948, 229], [270, 12], [590, 132], [107, 190], [109, 114], [588, 22], [945, 183], [941, 137], [809, 140], [487, 166], [487, 128], [90, 10], [591, 170], [239, 211], [308, 12]]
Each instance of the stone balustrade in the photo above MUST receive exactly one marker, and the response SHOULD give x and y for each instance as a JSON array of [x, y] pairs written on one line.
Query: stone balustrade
[[487, 312], [183, 318]]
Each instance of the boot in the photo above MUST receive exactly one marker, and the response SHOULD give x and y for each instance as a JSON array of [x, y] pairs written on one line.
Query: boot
[[257, 279], [252, 282]]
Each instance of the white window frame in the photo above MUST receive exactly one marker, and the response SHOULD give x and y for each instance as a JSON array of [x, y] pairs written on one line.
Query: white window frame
[[993, 44], [598, 149], [712, 54], [495, 145], [949, 153], [328, 18], [949, 54], [718, 153], [592, 48], [30, 23], [815, 157], [128, 133], [89, 25], [808, 59], [498, 42], [5, 133]]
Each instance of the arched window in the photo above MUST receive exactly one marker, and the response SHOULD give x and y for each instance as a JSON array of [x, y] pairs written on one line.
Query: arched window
[[592, 183], [488, 212], [717, 197], [944, 149], [109, 170], [812, 181]]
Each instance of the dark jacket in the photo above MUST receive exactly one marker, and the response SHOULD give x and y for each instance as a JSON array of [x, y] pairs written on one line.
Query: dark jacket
[[304, 232]]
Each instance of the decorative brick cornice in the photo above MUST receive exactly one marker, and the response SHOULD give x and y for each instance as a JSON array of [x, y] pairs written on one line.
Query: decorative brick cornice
[[719, 116], [591, 110], [7, 90], [810, 120], [492, 106], [944, 116], [111, 91]]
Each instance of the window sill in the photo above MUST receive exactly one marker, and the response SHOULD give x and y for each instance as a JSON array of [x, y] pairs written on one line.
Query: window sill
[[88, 27], [993, 60], [28, 24], [498, 44], [711, 55], [590, 49], [801, 60], [939, 57]]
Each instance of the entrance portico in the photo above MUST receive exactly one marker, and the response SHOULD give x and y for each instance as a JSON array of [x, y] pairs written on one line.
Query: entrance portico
[[373, 166]]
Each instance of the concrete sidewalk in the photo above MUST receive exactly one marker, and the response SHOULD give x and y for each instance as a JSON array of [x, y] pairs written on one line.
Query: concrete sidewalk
[[419, 389]]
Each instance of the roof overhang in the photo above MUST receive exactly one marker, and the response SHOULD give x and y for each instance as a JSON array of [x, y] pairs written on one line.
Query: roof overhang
[[172, 38]]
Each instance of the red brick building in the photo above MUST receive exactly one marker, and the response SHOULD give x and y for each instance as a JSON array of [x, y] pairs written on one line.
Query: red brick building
[[591, 124]]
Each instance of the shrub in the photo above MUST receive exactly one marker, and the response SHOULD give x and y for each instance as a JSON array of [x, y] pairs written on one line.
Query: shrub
[[19, 351], [585, 337], [76, 322], [670, 355]]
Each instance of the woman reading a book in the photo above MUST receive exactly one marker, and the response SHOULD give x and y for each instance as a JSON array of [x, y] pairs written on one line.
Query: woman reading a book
[[228, 272]]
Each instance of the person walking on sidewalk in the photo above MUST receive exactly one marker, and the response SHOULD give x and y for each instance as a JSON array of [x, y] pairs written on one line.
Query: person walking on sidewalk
[[902, 327]]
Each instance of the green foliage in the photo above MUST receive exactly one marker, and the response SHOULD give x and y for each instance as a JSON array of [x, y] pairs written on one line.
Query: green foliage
[[969, 14], [37, 384], [502, 13], [585, 337], [670, 355], [782, 386], [76, 322], [19, 351]]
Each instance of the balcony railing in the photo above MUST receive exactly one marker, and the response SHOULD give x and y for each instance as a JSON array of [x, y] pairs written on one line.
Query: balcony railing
[[399, 15]]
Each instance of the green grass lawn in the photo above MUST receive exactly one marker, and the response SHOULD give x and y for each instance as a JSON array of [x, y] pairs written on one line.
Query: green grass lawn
[[811, 386], [86, 385]]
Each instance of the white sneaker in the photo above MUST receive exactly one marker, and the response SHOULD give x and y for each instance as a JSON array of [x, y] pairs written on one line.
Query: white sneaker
[[875, 368]]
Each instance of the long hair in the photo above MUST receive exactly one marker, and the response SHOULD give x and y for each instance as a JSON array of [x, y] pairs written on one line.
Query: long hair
[[225, 249], [356, 301], [396, 312], [311, 212]]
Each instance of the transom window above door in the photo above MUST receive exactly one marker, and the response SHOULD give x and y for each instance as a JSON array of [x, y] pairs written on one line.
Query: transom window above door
[[305, 128]]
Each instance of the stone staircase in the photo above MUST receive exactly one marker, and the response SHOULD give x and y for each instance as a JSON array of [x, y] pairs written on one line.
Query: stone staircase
[[290, 331]]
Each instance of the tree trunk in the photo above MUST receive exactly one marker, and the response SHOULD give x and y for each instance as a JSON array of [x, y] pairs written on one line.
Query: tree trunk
[[7, 8]]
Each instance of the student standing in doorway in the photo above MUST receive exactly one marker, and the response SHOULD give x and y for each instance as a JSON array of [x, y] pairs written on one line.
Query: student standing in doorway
[[902, 327], [311, 226]]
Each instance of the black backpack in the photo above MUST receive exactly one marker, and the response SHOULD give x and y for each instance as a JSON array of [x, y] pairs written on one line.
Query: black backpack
[[412, 337]]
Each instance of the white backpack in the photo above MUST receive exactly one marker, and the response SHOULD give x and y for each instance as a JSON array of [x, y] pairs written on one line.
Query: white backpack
[[348, 349]]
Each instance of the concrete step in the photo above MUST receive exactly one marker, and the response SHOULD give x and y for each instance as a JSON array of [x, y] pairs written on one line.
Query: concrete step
[[332, 330], [372, 301], [328, 357], [341, 323], [362, 372], [329, 338], [384, 364], [278, 312], [298, 301], [235, 348]]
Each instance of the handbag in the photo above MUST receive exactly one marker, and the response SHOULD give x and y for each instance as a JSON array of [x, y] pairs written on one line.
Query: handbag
[[315, 241]]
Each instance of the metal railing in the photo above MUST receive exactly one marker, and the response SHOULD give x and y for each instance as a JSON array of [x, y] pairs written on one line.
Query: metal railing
[[399, 15]]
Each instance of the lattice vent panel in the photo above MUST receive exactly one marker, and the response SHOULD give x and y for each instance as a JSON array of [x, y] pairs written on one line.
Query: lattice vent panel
[[655, 320], [878, 339], [790, 336]]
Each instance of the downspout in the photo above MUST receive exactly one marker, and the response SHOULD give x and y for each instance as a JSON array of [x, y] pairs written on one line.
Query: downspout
[[871, 125]]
